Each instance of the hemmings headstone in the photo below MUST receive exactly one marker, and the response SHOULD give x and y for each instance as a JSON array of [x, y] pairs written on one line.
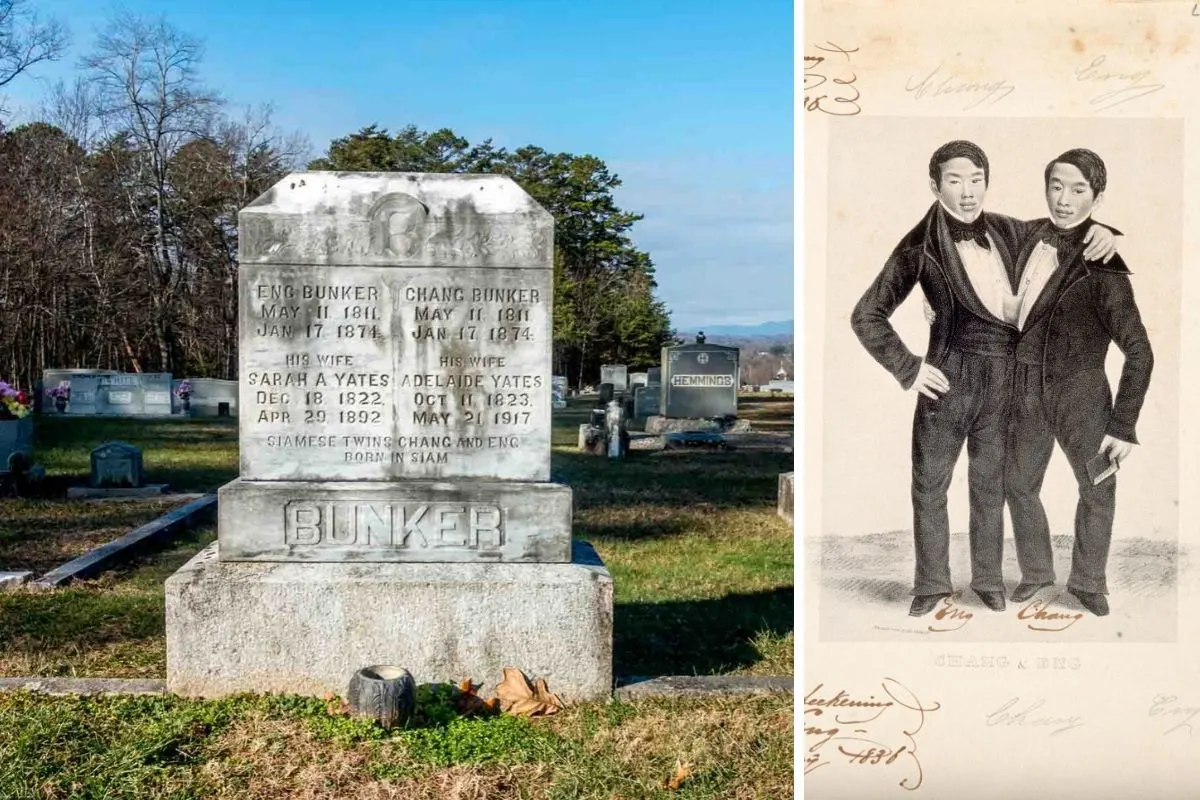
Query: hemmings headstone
[[616, 374], [558, 393], [395, 388], [701, 381]]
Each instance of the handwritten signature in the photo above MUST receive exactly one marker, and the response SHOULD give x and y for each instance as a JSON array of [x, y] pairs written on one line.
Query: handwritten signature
[[1168, 705], [836, 95], [1023, 718], [1047, 620], [866, 732], [949, 613], [936, 84], [1129, 85]]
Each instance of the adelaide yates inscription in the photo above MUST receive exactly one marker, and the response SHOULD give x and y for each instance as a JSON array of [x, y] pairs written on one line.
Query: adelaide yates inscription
[[358, 373]]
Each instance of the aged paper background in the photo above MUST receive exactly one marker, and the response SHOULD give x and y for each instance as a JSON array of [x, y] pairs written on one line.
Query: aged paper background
[[1107, 708]]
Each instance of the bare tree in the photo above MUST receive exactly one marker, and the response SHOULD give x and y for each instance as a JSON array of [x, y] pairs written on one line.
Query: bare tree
[[25, 40], [149, 94]]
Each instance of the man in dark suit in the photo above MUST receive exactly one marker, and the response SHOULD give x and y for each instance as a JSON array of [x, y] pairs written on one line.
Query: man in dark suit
[[1071, 309], [964, 260]]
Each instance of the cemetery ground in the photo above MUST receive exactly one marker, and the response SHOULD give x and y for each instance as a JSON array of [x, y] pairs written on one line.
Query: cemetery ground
[[702, 570]]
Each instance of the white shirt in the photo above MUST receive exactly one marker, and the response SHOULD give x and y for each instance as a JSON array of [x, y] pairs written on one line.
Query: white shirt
[[985, 269], [1043, 261]]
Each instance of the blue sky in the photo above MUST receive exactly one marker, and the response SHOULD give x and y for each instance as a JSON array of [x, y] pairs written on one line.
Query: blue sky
[[690, 103]]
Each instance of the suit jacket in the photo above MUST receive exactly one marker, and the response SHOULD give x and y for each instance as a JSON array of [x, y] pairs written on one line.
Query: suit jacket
[[1085, 306], [927, 256]]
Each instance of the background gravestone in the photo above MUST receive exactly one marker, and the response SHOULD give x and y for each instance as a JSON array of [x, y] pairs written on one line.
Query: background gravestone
[[654, 376], [95, 392], [395, 393], [116, 464], [638, 379], [559, 391], [209, 396], [700, 380], [617, 375], [645, 401]]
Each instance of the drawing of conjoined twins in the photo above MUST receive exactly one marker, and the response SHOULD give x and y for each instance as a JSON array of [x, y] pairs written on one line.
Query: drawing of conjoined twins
[[1021, 315]]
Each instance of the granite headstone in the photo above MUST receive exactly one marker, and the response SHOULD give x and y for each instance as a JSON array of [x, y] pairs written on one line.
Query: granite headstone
[[395, 394], [700, 381], [617, 375]]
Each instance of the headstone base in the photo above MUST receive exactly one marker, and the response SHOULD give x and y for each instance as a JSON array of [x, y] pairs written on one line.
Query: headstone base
[[658, 424], [99, 492], [306, 628]]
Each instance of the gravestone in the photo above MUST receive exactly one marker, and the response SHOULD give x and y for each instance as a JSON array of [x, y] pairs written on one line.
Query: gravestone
[[638, 379], [558, 394], [96, 392], [645, 401], [116, 464], [700, 381], [654, 376], [209, 397], [786, 496], [394, 503], [607, 393], [116, 473], [617, 375]]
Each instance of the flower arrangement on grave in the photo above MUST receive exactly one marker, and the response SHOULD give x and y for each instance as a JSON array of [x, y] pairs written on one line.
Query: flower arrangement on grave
[[14, 404], [60, 394]]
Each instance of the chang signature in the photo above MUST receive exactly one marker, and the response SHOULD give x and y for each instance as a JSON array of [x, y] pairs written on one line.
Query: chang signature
[[1128, 85], [876, 731], [826, 86], [1008, 716], [937, 84], [1046, 620]]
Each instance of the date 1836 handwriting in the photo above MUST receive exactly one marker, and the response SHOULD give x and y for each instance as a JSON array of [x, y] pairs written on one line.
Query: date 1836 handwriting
[[829, 81], [877, 731]]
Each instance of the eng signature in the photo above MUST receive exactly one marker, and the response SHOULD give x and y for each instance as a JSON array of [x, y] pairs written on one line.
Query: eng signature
[[840, 728], [829, 81], [1119, 87]]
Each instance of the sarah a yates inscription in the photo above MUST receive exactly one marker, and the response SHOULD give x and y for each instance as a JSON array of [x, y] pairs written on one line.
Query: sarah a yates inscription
[[365, 373]]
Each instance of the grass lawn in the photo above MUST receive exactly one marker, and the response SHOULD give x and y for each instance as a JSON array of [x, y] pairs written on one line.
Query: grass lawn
[[703, 585]]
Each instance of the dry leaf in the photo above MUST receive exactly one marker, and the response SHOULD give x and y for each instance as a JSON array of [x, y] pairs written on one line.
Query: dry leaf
[[519, 698], [467, 703], [682, 771]]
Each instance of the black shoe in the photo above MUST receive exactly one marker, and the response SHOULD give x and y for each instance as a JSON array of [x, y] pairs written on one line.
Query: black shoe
[[1093, 602], [1026, 591], [993, 600], [922, 604]]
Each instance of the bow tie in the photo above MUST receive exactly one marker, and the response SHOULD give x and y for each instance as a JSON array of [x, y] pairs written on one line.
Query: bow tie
[[969, 231], [1059, 238]]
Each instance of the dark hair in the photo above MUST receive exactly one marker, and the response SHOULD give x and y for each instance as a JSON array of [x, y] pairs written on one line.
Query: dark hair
[[959, 148], [1087, 162]]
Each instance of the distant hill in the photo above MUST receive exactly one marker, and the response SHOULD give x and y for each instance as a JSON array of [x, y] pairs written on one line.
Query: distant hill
[[777, 328]]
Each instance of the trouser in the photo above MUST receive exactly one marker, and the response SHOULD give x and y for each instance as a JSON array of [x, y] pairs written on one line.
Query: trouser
[[1076, 415], [974, 411]]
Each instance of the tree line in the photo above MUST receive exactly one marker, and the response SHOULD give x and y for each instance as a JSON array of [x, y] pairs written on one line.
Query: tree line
[[118, 241]]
